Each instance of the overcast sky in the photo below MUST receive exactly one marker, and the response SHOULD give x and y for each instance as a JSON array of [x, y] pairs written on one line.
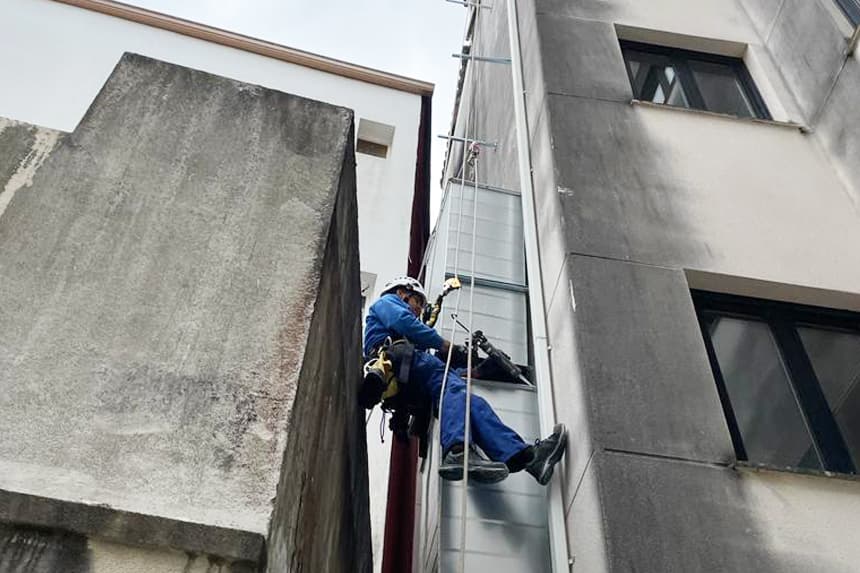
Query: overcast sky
[[413, 38]]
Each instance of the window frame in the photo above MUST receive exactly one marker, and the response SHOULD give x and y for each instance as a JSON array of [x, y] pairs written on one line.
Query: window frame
[[851, 9], [783, 320], [680, 59]]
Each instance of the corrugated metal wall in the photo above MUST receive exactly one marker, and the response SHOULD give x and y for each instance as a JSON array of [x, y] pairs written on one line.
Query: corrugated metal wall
[[507, 522]]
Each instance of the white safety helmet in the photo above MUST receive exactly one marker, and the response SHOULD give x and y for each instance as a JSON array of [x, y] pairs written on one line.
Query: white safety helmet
[[406, 282]]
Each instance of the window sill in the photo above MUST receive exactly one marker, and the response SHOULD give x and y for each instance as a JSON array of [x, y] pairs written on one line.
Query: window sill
[[672, 108], [767, 468]]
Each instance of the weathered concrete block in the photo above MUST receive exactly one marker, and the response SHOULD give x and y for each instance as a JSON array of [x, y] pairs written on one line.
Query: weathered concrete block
[[763, 14], [583, 58], [839, 126], [641, 349], [178, 265], [669, 516], [809, 47]]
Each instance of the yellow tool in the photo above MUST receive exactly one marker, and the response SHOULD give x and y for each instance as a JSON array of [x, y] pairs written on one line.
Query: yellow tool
[[431, 312]]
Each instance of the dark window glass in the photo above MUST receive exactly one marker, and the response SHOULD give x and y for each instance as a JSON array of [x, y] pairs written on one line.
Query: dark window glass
[[766, 410], [692, 79], [789, 379], [835, 357], [851, 8]]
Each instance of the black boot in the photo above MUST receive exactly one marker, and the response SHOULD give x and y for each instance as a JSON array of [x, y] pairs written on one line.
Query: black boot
[[546, 453], [481, 469]]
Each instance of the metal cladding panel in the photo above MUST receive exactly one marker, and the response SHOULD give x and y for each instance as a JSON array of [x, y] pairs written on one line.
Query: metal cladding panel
[[499, 247], [506, 523], [501, 314], [427, 516]]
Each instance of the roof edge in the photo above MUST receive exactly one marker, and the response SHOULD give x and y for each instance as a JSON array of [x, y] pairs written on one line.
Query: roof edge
[[254, 45]]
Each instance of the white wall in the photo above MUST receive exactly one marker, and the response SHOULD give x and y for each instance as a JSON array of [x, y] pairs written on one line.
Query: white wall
[[54, 59]]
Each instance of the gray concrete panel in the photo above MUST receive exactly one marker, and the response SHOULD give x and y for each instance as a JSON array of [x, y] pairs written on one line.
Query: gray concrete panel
[[763, 14], [570, 393], [808, 46], [617, 197], [158, 281], [839, 127], [641, 352], [532, 64], [585, 526], [664, 186], [550, 222], [665, 516], [583, 58]]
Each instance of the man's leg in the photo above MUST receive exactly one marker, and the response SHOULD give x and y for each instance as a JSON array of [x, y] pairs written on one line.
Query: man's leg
[[499, 441], [496, 439], [428, 372]]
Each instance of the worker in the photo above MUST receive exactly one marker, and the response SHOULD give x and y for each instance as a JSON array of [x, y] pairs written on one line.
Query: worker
[[396, 343]]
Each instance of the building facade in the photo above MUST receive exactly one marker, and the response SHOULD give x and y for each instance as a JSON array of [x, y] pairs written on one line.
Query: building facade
[[696, 206]]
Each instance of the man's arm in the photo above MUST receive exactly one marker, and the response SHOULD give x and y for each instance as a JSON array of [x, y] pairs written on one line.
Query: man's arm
[[399, 318]]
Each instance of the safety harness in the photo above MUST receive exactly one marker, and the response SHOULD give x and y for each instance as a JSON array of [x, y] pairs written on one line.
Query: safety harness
[[386, 380]]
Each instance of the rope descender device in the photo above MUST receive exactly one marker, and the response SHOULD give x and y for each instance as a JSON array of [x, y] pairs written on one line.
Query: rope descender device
[[431, 311], [474, 152]]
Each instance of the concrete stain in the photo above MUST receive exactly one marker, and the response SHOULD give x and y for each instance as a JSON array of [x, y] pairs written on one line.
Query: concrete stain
[[30, 550], [44, 142]]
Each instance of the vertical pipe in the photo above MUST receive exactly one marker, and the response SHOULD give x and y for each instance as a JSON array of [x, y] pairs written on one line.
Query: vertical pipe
[[543, 375], [399, 529]]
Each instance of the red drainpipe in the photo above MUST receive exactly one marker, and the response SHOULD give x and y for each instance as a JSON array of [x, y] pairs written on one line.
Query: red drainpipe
[[403, 472]]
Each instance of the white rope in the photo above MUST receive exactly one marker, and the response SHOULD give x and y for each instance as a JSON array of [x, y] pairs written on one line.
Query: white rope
[[464, 158], [470, 123], [467, 422], [468, 418]]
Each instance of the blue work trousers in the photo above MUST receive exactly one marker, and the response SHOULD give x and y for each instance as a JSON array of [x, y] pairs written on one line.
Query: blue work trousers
[[488, 432]]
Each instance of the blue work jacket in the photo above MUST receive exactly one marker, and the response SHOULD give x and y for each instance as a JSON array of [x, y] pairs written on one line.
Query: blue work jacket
[[390, 316]]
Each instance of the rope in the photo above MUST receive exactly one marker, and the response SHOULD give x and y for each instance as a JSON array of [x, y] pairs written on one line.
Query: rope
[[463, 161], [457, 301], [467, 422], [470, 124], [468, 417]]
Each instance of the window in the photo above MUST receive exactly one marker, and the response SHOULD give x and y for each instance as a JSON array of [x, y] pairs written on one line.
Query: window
[[374, 138], [851, 8], [789, 380], [692, 79]]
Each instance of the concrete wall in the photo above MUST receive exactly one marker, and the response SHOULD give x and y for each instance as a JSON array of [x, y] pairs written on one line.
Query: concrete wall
[[637, 203], [60, 56], [30, 550], [169, 278], [23, 149], [808, 40]]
